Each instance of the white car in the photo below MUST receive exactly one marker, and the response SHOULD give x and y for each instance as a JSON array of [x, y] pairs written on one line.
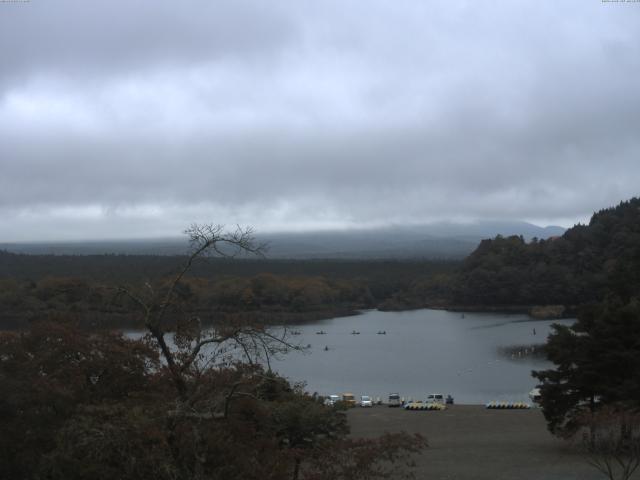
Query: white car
[[332, 400], [365, 401], [435, 398]]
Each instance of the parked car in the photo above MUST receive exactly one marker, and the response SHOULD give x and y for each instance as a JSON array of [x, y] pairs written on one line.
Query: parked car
[[535, 395], [394, 400], [349, 399], [365, 401], [332, 400], [435, 398]]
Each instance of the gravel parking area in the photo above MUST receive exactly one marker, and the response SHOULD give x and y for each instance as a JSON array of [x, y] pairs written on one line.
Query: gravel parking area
[[471, 442]]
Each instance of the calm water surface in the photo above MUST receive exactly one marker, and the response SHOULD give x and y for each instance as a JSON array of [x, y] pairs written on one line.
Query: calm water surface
[[423, 351]]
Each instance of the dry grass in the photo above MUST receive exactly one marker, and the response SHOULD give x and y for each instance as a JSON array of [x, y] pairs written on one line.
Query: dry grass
[[470, 442]]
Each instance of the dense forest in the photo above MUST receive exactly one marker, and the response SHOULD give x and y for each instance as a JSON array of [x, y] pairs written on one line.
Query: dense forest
[[592, 393], [272, 291], [577, 268]]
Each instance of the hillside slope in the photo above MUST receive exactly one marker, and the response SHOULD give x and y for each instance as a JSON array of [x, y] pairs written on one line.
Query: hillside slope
[[581, 266]]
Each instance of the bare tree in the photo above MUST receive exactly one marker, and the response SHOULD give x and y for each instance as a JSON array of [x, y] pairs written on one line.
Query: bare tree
[[610, 440], [185, 357]]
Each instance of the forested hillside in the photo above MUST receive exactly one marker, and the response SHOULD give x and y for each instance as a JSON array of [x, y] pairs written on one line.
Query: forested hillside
[[579, 267], [272, 291]]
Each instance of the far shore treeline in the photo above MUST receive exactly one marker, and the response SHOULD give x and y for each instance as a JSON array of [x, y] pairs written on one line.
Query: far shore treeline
[[548, 277], [271, 291]]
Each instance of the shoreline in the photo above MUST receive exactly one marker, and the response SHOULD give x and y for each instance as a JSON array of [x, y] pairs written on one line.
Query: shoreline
[[109, 321], [536, 312]]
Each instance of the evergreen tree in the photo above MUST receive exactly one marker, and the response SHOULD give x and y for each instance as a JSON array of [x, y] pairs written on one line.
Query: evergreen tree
[[597, 363]]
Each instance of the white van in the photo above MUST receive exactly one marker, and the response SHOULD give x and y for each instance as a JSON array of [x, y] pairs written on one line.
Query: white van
[[535, 395], [394, 400], [435, 398]]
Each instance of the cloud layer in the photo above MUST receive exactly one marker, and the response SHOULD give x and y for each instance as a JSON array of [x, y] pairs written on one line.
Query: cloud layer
[[122, 119]]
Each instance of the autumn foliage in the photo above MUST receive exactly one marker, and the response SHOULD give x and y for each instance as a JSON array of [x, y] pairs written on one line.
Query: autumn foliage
[[83, 405]]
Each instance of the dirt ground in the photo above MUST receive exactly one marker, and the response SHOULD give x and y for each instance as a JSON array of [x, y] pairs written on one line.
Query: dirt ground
[[471, 442]]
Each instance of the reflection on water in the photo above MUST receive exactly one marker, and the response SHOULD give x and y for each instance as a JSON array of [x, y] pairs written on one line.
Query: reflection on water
[[420, 352], [523, 352], [509, 318]]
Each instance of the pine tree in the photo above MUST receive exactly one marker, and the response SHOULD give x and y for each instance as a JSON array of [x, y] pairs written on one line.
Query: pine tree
[[597, 363]]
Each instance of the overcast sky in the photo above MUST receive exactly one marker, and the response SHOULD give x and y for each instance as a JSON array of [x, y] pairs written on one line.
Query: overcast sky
[[137, 118]]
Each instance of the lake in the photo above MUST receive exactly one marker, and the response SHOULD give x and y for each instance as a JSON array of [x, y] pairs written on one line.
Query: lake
[[423, 351]]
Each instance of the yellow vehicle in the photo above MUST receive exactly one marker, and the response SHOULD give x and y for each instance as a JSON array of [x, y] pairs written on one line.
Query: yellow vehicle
[[349, 399]]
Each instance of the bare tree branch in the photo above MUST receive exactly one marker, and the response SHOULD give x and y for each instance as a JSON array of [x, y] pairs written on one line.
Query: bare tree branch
[[205, 239], [612, 443]]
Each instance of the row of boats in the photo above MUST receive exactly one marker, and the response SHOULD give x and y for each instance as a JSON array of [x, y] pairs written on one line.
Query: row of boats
[[508, 405], [354, 332]]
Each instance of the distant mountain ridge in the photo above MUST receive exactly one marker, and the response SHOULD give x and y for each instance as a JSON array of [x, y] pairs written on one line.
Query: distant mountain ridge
[[444, 240]]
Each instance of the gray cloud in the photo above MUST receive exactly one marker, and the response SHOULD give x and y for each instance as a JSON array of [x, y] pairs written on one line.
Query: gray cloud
[[123, 120], [74, 37]]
